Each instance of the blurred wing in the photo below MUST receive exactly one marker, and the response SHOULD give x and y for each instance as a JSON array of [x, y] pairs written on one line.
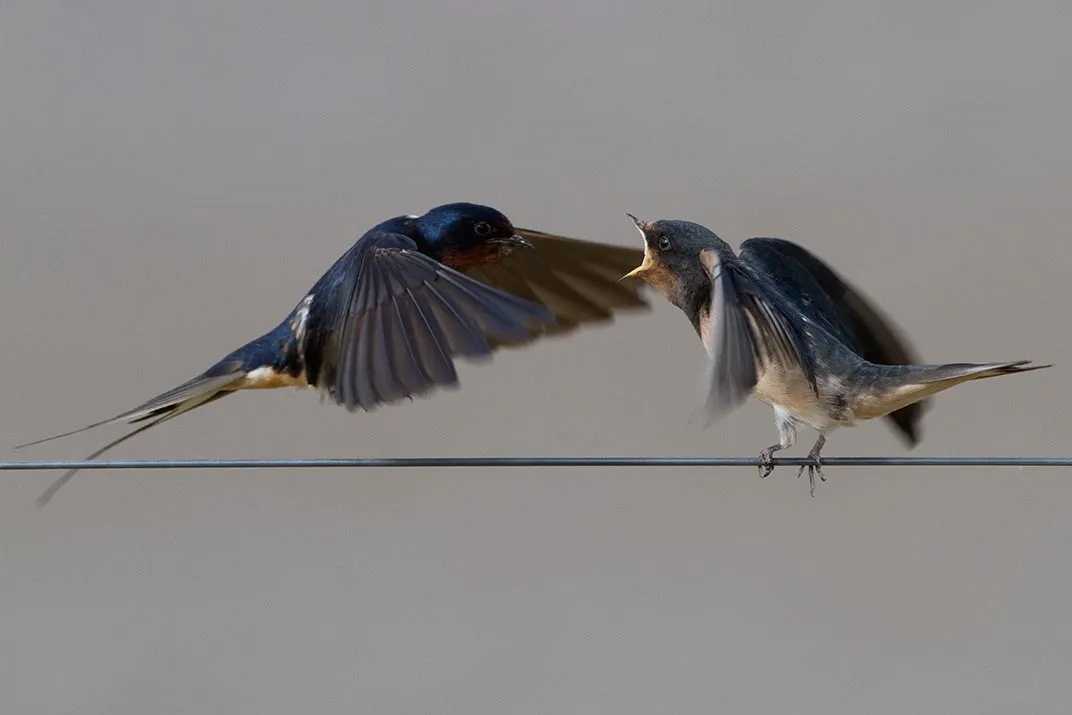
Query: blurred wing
[[578, 281], [745, 328], [391, 320], [842, 309]]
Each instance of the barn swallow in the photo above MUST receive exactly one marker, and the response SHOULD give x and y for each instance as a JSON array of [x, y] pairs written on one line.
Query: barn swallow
[[778, 323], [388, 319]]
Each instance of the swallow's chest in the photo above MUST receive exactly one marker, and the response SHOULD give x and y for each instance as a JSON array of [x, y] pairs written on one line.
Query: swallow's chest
[[788, 388], [472, 257]]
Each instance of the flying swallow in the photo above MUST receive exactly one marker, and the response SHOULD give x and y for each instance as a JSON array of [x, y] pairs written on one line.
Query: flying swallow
[[780, 324], [388, 319]]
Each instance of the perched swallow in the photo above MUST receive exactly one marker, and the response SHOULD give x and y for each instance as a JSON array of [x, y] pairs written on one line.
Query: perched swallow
[[388, 319], [780, 324]]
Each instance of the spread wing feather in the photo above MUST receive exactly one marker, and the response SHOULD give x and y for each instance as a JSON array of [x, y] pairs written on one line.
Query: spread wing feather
[[840, 308], [400, 318], [748, 326]]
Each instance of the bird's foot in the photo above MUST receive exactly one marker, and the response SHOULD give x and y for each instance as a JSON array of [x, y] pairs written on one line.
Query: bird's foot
[[766, 460], [815, 467]]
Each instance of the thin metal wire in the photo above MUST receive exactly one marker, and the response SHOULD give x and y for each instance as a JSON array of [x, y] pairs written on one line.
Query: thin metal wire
[[484, 462]]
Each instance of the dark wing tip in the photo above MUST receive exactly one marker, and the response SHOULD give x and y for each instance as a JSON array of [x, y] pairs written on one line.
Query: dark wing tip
[[909, 422]]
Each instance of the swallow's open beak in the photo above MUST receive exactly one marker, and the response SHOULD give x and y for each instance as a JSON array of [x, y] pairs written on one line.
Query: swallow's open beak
[[645, 267], [641, 271], [641, 225]]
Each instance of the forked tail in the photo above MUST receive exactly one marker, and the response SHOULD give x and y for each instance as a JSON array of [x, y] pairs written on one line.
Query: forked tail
[[207, 387], [884, 389], [962, 372]]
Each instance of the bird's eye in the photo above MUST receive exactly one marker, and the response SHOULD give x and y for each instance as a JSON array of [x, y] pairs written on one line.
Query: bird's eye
[[482, 228], [664, 243]]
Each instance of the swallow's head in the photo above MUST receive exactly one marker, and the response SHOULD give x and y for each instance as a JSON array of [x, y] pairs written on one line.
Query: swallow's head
[[468, 235], [671, 262]]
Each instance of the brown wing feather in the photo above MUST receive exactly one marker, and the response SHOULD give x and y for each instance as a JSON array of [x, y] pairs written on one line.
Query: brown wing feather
[[578, 281]]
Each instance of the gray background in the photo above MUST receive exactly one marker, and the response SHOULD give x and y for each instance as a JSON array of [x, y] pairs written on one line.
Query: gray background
[[174, 176]]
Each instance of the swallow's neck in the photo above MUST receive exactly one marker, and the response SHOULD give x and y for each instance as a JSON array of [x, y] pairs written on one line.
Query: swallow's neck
[[472, 256], [407, 226], [695, 303], [433, 239]]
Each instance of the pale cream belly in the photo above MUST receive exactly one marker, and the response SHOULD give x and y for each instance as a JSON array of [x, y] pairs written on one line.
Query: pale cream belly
[[265, 378], [790, 391]]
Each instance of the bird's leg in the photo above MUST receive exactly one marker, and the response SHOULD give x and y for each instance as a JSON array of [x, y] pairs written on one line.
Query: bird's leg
[[787, 436], [766, 459], [816, 466]]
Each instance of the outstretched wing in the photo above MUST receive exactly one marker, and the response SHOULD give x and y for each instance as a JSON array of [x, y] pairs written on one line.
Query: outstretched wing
[[746, 327], [826, 298], [578, 281], [387, 323]]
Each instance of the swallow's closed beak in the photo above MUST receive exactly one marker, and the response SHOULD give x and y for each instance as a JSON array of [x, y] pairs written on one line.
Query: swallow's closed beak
[[514, 241]]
